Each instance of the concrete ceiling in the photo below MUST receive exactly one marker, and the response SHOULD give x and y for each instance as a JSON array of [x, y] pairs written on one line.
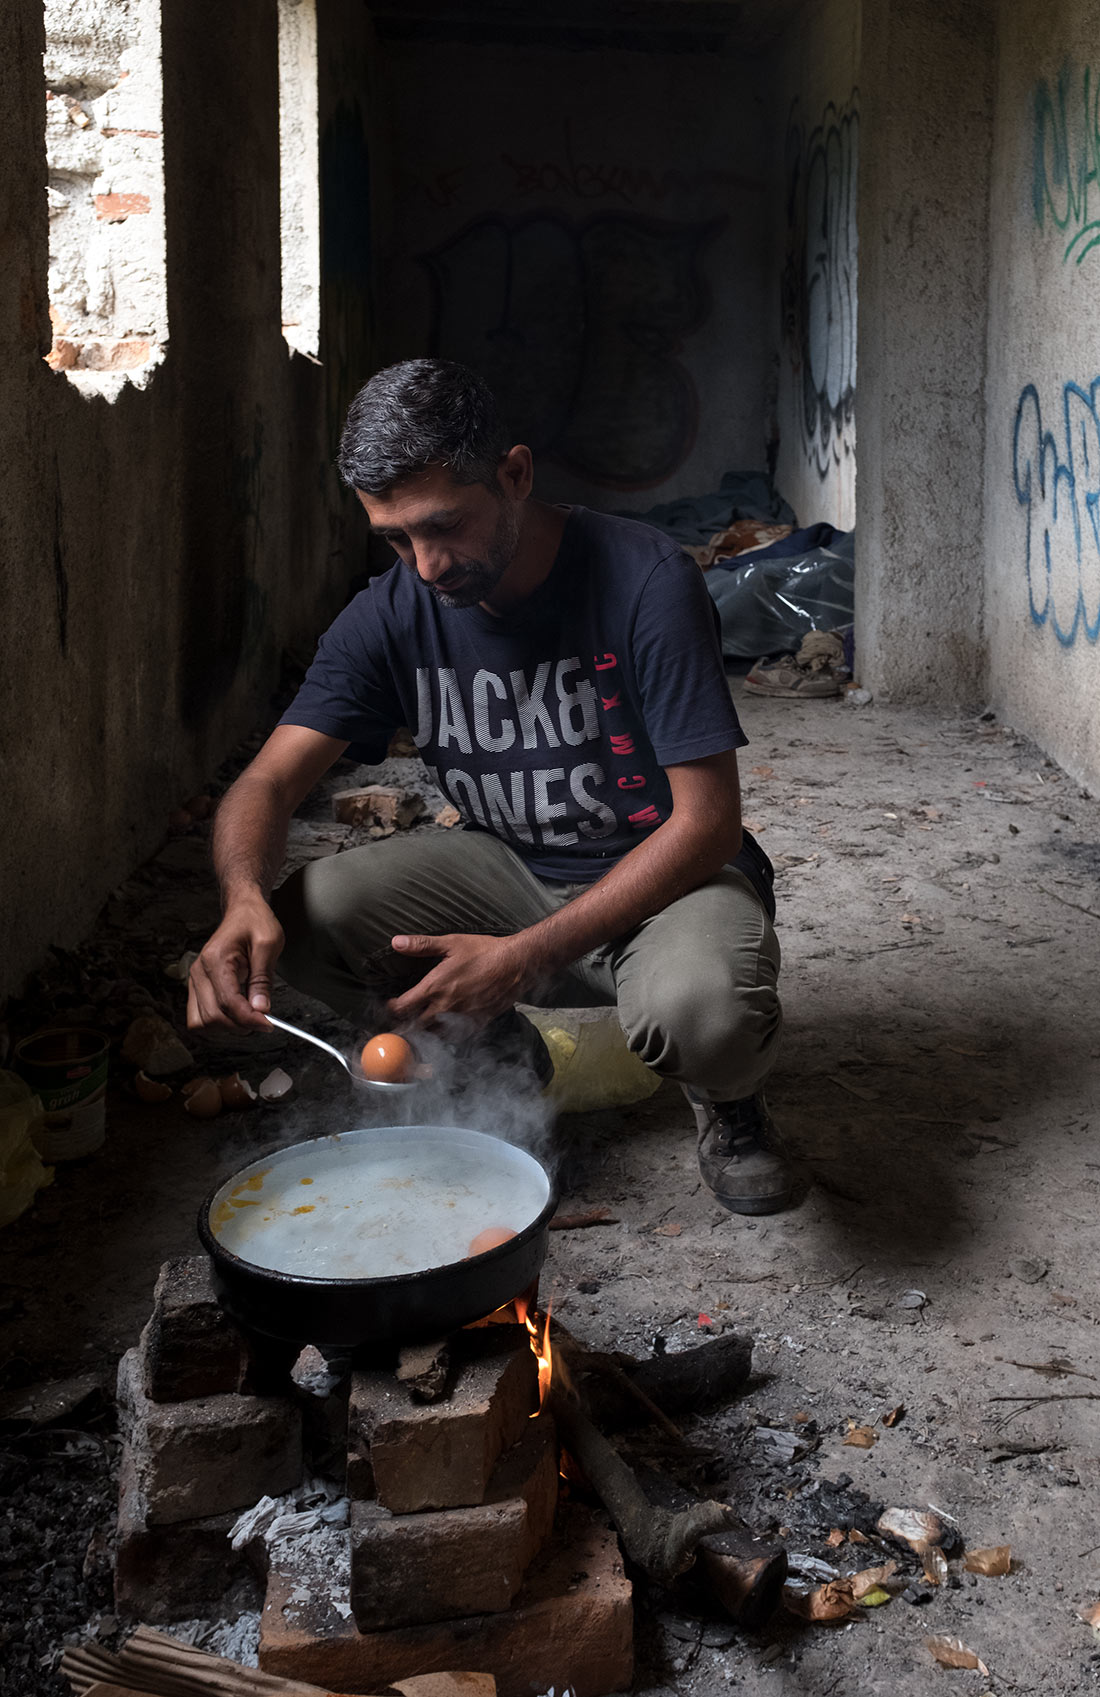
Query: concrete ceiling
[[739, 26]]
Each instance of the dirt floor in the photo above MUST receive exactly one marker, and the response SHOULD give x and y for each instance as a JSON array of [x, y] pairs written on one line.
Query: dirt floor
[[939, 890]]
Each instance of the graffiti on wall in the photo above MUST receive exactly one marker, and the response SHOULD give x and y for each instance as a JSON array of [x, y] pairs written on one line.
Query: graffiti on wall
[[1057, 480], [578, 325], [819, 290], [1066, 160]]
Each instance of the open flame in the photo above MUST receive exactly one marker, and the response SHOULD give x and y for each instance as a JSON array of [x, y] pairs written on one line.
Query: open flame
[[540, 1344]]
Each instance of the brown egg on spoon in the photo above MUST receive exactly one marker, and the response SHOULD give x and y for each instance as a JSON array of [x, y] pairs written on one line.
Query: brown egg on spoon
[[388, 1059]]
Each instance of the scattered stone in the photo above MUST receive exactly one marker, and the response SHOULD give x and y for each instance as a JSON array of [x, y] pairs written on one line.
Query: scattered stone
[[379, 805]]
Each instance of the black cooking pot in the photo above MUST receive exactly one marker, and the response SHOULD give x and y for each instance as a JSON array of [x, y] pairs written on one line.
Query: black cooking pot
[[381, 1197]]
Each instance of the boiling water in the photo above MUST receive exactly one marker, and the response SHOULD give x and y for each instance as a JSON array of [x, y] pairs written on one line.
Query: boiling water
[[375, 1204]]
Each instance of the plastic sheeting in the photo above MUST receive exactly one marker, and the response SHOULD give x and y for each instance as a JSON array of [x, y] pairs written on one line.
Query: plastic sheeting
[[768, 600]]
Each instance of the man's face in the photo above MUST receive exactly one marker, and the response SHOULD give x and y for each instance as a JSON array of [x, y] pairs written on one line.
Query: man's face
[[459, 538]]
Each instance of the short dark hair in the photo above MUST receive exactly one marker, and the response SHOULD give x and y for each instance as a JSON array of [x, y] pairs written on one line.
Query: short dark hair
[[422, 412]]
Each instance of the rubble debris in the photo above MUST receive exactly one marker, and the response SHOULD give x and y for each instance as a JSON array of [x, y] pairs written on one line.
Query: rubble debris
[[381, 807], [861, 1437], [782, 1447], [152, 1045], [448, 817], [578, 1222], [52, 1400], [921, 1529], [426, 1369]]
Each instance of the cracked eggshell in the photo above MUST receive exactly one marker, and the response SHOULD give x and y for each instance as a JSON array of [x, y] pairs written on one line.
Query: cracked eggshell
[[235, 1091], [204, 1099], [277, 1086]]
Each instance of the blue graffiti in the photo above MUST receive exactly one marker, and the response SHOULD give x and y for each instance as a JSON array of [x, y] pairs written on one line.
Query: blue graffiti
[[1066, 161], [1058, 483]]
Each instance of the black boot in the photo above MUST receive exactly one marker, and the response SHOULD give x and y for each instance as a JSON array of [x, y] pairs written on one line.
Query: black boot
[[738, 1159]]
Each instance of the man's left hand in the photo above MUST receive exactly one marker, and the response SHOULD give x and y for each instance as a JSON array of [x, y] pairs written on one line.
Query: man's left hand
[[478, 977]]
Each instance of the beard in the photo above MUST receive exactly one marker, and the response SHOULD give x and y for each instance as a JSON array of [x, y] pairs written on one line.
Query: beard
[[474, 580]]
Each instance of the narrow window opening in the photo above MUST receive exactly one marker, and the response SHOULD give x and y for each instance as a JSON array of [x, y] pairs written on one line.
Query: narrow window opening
[[300, 199], [105, 188]]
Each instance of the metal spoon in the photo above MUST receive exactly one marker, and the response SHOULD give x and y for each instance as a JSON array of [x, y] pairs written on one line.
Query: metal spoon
[[353, 1072]]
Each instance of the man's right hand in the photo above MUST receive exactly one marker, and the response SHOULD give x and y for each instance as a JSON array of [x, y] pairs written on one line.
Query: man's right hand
[[231, 980]]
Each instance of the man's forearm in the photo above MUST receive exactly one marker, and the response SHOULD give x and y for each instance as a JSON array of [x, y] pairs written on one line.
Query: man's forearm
[[665, 866], [250, 832]]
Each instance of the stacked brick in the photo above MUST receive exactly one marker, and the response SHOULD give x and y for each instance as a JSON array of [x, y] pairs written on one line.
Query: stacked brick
[[457, 1559], [199, 1445], [450, 1500]]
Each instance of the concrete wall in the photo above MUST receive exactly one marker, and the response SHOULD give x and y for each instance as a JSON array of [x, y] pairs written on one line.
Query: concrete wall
[[590, 229], [815, 289], [160, 551], [1043, 392], [926, 117]]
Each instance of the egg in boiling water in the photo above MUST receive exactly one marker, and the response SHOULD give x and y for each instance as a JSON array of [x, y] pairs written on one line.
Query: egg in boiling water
[[490, 1238]]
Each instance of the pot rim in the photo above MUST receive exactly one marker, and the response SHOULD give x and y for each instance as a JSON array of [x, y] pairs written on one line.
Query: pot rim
[[219, 1253]]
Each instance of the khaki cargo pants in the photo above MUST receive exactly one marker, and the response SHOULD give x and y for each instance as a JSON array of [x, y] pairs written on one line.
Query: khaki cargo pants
[[695, 986]]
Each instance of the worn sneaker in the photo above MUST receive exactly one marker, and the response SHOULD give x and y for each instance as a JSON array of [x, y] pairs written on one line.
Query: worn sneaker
[[738, 1160], [816, 672]]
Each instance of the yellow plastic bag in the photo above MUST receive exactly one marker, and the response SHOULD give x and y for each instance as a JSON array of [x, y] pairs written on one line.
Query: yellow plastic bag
[[593, 1068], [21, 1170]]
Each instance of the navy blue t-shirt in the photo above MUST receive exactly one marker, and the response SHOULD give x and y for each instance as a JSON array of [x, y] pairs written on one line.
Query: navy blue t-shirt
[[552, 725]]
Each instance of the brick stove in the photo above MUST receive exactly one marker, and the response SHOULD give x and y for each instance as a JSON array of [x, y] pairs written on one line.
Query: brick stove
[[457, 1553]]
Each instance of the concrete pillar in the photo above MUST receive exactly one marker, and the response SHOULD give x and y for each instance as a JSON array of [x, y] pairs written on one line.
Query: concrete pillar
[[927, 93]]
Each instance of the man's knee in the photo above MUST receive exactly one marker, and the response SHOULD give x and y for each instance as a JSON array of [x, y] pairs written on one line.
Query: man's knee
[[321, 911], [708, 1029]]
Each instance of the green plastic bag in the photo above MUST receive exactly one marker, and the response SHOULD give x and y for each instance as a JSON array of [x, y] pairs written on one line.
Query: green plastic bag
[[593, 1068]]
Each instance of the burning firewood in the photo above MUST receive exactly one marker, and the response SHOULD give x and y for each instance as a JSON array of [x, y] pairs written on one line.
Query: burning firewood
[[676, 1533]]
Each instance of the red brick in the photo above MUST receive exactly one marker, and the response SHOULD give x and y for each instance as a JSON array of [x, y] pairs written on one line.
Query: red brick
[[115, 207], [166, 1573], [407, 1569], [209, 1455], [571, 1626], [123, 355], [416, 1456], [63, 355], [189, 1347]]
